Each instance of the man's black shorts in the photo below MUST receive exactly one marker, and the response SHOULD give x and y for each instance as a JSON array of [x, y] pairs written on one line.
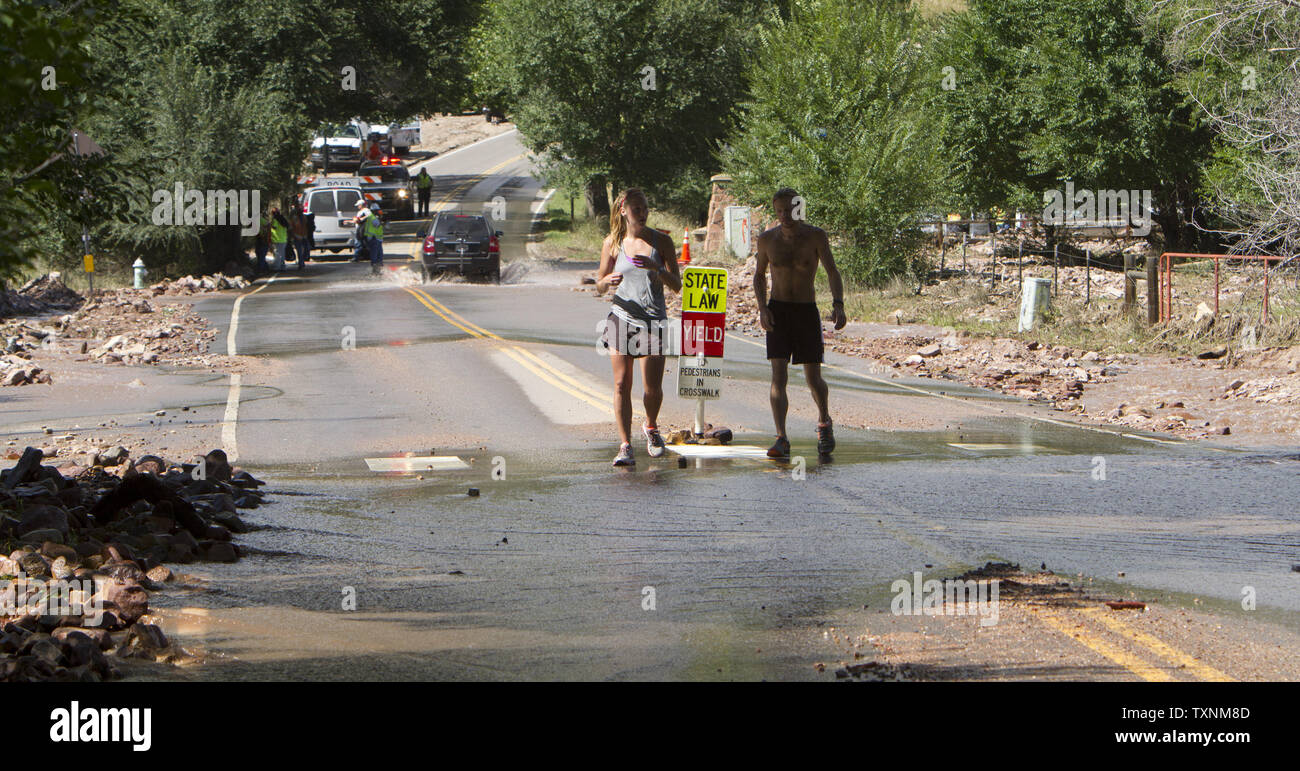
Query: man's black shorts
[[796, 334]]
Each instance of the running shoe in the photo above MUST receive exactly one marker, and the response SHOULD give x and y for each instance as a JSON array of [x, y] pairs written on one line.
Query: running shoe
[[781, 449], [654, 443], [825, 439], [625, 457]]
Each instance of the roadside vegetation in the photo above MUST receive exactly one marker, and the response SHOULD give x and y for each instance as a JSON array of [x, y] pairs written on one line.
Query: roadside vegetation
[[884, 115], [209, 95]]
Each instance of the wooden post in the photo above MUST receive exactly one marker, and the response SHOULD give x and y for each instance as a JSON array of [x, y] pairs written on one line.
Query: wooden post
[[943, 249], [1153, 290], [964, 236], [1020, 270], [1056, 267], [1130, 283], [993, 252], [1087, 276]]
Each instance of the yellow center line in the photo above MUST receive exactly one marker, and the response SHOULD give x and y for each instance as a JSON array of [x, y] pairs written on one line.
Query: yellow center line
[[547, 372], [1161, 648], [468, 326], [461, 188], [1075, 630]]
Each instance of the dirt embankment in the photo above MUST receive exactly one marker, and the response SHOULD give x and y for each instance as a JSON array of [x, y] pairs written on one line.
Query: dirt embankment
[[123, 326], [443, 133]]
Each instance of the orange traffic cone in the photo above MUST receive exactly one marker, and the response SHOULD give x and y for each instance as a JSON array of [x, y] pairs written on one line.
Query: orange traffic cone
[[686, 247]]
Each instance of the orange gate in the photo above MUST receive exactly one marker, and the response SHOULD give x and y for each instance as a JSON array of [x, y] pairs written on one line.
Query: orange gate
[[1166, 266]]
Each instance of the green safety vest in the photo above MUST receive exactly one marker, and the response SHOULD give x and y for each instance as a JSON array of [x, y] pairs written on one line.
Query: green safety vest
[[278, 234], [374, 228], [424, 181]]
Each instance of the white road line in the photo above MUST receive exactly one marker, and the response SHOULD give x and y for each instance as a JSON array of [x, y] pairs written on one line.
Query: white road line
[[719, 451], [231, 417], [990, 409], [539, 206], [234, 315], [228, 422], [424, 463]]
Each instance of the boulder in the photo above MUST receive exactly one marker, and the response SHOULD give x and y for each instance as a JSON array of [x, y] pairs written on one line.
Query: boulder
[[130, 600], [23, 470], [112, 457]]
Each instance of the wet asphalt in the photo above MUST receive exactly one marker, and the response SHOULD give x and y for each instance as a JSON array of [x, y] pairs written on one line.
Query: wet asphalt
[[565, 568]]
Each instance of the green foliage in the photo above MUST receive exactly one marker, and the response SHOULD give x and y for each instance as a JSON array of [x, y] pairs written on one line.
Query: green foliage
[[42, 47], [1050, 90], [839, 111], [213, 95], [572, 74], [1225, 66]]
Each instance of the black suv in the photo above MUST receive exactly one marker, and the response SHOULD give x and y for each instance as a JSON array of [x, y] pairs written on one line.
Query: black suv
[[466, 243]]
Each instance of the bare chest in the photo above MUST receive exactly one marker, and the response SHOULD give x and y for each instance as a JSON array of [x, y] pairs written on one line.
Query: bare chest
[[798, 255]]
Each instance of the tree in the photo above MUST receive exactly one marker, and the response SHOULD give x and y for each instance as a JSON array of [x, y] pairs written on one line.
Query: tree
[[1239, 62], [224, 96], [634, 93], [45, 81], [1055, 90], [839, 111]]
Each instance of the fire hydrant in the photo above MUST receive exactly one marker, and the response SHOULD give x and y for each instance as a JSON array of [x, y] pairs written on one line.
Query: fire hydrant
[[139, 272]]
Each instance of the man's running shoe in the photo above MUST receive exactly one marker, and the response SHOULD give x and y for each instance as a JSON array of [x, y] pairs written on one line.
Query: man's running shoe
[[654, 443], [624, 457], [781, 449], [825, 439]]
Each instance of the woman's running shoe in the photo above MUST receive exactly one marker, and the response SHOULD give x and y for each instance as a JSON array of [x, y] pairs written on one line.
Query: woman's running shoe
[[654, 443]]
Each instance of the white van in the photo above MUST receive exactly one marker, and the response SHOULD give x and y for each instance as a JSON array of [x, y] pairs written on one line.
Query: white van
[[333, 206]]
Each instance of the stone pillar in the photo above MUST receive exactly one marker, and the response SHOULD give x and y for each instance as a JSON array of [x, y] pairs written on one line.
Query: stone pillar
[[719, 200]]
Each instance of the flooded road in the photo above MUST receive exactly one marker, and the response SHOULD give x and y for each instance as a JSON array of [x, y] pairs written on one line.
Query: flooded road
[[698, 568], [544, 575]]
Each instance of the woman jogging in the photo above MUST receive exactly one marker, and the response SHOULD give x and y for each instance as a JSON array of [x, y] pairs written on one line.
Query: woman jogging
[[637, 262]]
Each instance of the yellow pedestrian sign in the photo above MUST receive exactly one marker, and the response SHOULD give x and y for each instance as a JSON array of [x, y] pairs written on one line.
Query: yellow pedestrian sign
[[88, 262], [704, 289]]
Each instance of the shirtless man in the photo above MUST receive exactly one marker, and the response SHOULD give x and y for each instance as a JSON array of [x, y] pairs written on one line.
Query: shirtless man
[[793, 250]]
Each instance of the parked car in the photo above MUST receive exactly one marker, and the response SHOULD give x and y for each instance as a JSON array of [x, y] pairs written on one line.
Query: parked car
[[333, 207], [466, 243], [394, 185]]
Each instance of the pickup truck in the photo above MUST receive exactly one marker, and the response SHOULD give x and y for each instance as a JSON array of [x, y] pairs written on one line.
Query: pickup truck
[[337, 147], [404, 136]]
